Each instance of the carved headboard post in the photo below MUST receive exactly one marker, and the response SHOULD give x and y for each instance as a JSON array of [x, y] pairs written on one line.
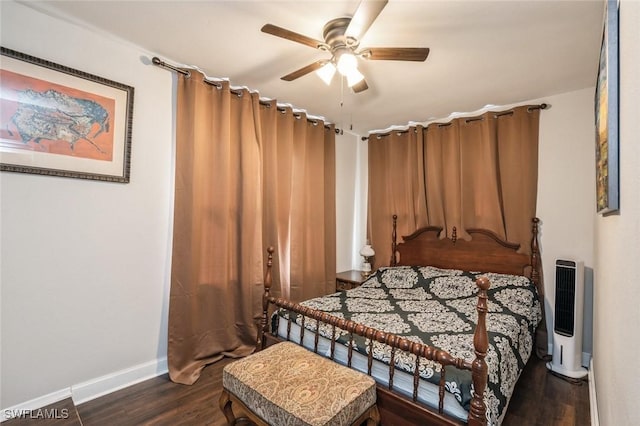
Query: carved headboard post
[[535, 253], [268, 280], [394, 242]]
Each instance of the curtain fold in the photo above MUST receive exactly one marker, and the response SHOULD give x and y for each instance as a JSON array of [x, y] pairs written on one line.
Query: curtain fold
[[277, 157], [301, 190], [247, 176], [313, 261], [518, 170], [396, 186], [215, 269], [443, 177]]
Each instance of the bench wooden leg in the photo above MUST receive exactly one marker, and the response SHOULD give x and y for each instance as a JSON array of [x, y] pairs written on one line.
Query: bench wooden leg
[[371, 416], [225, 407], [247, 418], [374, 416]]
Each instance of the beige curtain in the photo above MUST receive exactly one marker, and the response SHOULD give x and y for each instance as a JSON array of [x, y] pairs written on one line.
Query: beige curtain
[[230, 155], [396, 186], [468, 173], [483, 173], [299, 175]]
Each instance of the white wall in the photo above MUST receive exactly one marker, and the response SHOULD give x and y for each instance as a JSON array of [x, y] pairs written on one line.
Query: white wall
[[617, 292], [351, 200], [566, 193], [85, 263], [346, 182]]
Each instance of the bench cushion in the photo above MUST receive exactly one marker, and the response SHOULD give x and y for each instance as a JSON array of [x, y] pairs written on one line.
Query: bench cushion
[[286, 384]]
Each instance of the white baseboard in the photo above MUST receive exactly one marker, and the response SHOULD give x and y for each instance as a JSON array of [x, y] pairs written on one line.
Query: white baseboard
[[92, 389], [109, 383], [593, 403], [32, 405]]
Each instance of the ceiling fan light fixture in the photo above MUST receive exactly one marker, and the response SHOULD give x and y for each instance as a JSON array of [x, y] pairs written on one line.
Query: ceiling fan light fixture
[[347, 62], [327, 72], [341, 38], [354, 77]]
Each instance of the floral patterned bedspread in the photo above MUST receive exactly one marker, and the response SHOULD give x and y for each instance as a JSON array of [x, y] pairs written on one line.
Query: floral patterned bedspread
[[437, 307]]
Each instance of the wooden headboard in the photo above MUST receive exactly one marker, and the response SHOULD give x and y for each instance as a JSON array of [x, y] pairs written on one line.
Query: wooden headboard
[[485, 252]]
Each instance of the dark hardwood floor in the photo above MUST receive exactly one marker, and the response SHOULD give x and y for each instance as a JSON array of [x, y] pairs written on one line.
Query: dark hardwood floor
[[540, 398]]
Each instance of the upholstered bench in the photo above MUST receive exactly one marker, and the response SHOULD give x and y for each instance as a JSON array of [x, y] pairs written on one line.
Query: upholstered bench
[[286, 384]]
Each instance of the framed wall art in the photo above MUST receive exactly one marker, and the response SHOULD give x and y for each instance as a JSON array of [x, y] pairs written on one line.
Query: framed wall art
[[58, 121], [606, 116]]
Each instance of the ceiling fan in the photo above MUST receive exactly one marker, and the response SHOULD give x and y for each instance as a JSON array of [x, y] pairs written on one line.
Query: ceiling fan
[[341, 39]]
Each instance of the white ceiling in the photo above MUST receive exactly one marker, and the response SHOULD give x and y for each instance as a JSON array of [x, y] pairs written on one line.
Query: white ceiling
[[482, 52]]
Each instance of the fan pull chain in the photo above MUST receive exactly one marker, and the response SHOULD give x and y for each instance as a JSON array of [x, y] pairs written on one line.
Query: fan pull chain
[[341, 104]]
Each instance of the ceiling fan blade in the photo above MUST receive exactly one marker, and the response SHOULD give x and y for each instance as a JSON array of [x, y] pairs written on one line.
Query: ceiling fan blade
[[418, 54], [360, 87], [290, 35], [366, 13], [303, 71]]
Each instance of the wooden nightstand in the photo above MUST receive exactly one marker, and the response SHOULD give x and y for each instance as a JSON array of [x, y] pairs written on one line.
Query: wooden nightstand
[[349, 279]]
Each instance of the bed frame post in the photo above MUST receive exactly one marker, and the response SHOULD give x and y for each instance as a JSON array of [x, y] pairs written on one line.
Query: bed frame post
[[264, 323], [394, 242], [477, 410], [535, 253]]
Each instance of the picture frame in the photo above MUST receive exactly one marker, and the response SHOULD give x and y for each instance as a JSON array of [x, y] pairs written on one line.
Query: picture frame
[[59, 121], [607, 115]]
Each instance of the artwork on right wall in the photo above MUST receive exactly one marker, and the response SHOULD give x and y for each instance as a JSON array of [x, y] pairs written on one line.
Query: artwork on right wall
[[606, 115]]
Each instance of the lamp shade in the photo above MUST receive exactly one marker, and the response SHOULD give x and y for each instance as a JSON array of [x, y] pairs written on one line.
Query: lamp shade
[[367, 251], [347, 62], [326, 72], [354, 77]]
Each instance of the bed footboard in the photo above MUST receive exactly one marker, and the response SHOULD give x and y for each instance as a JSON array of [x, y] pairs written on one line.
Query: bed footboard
[[389, 400]]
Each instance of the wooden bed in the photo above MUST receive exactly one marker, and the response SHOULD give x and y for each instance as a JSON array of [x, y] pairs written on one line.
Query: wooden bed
[[485, 252]]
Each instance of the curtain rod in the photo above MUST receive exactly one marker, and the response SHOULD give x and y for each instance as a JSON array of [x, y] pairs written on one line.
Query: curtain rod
[[468, 120], [264, 102]]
